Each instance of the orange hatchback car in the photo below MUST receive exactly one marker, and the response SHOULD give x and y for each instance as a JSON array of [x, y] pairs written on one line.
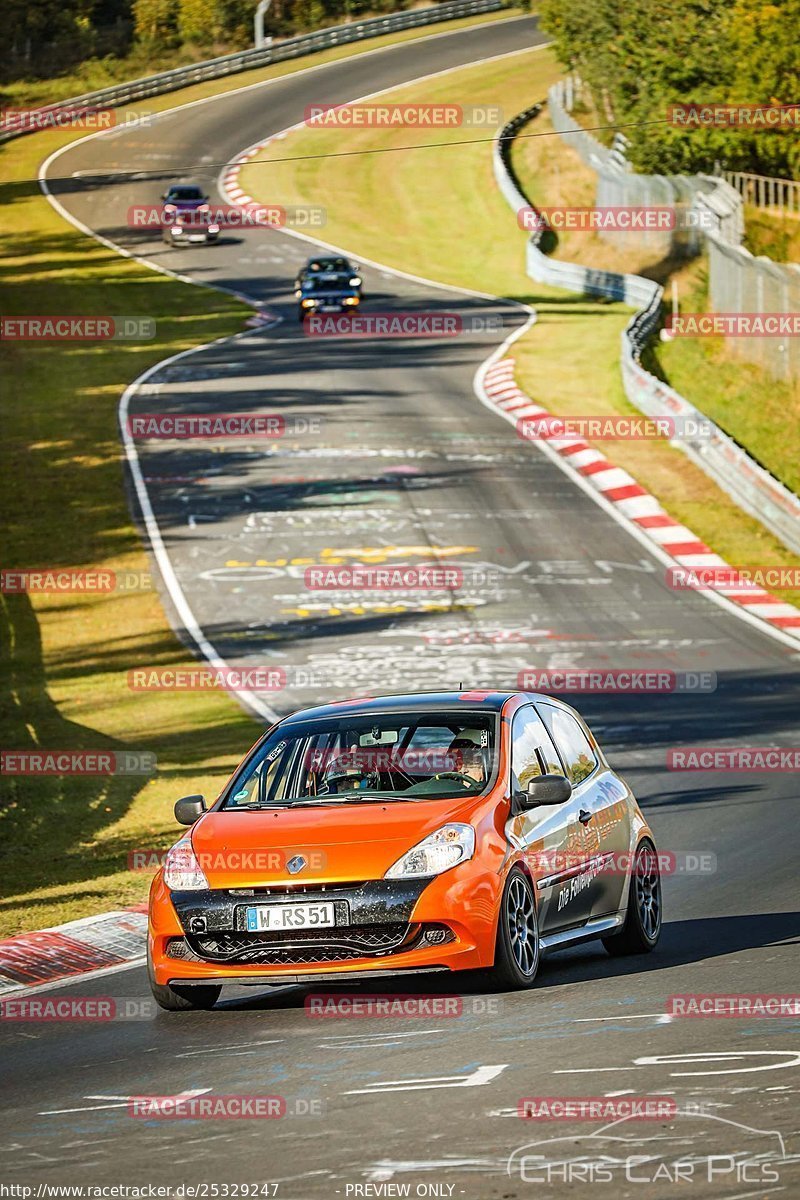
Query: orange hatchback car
[[415, 833]]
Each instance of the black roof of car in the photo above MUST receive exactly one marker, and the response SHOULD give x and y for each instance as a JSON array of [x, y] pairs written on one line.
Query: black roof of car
[[431, 702], [334, 262]]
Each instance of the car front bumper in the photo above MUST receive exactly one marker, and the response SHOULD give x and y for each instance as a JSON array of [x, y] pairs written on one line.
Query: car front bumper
[[382, 927]]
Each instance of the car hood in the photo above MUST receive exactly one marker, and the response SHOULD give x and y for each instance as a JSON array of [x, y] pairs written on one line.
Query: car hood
[[343, 843]]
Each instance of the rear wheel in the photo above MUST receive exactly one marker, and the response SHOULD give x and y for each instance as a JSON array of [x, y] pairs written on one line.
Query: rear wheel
[[642, 927], [516, 958], [182, 999]]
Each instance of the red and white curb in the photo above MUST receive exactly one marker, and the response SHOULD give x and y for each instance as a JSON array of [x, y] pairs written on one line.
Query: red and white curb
[[92, 945], [637, 505], [230, 176]]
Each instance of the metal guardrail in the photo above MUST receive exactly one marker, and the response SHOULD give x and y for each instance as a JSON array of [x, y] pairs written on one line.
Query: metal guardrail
[[722, 458], [246, 60]]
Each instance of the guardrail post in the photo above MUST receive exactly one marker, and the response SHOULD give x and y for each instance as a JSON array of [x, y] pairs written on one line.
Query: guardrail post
[[258, 23]]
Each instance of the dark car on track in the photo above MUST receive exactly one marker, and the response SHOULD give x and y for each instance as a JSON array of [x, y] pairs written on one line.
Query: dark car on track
[[425, 832], [186, 216], [328, 284]]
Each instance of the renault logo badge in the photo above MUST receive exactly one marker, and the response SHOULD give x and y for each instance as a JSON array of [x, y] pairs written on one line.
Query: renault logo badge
[[296, 864]]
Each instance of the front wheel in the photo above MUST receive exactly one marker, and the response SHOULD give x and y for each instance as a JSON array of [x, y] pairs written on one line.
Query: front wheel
[[642, 927], [517, 950], [182, 999]]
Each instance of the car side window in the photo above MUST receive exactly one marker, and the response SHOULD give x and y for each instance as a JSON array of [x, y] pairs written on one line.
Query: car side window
[[531, 748], [576, 750]]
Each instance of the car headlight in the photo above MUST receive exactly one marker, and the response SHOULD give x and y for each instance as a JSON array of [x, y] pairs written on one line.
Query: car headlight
[[308, 303], [169, 208], [202, 208], [182, 871], [355, 281], [439, 851]]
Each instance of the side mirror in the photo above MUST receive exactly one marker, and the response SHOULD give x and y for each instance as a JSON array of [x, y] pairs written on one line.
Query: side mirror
[[164, 195], [189, 809], [546, 790]]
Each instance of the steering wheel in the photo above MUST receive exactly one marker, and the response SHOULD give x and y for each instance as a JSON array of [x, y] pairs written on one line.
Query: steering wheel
[[467, 780]]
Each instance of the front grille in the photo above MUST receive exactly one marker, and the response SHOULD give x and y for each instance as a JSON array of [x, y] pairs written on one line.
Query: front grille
[[304, 945], [292, 890]]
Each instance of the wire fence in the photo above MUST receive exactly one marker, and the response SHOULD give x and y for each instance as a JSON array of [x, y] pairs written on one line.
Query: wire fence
[[752, 487], [709, 216]]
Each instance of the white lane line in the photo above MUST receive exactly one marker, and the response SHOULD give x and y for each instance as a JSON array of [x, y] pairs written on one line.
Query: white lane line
[[478, 1078], [241, 1046], [631, 1017], [179, 600], [177, 595], [56, 1112]]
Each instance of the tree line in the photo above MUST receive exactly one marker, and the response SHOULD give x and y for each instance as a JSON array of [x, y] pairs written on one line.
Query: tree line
[[640, 58], [46, 38]]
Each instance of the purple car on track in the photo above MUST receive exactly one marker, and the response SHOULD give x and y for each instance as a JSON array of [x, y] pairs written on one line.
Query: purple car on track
[[186, 216]]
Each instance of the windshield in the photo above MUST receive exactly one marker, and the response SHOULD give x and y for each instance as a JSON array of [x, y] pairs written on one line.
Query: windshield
[[329, 264], [400, 756], [185, 193]]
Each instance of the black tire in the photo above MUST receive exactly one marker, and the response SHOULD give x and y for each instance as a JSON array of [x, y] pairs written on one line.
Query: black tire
[[517, 949], [184, 999], [301, 314], [642, 928]]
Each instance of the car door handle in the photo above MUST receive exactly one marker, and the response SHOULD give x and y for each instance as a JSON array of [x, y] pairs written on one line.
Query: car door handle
[[584, 817]]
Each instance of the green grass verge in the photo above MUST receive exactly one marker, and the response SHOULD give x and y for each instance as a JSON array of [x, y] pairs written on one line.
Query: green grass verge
[[762, 413], [65, 842], [437, 212]]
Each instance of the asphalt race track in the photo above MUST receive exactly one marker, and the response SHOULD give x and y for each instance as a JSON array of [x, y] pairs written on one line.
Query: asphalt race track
[[407, 461]]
